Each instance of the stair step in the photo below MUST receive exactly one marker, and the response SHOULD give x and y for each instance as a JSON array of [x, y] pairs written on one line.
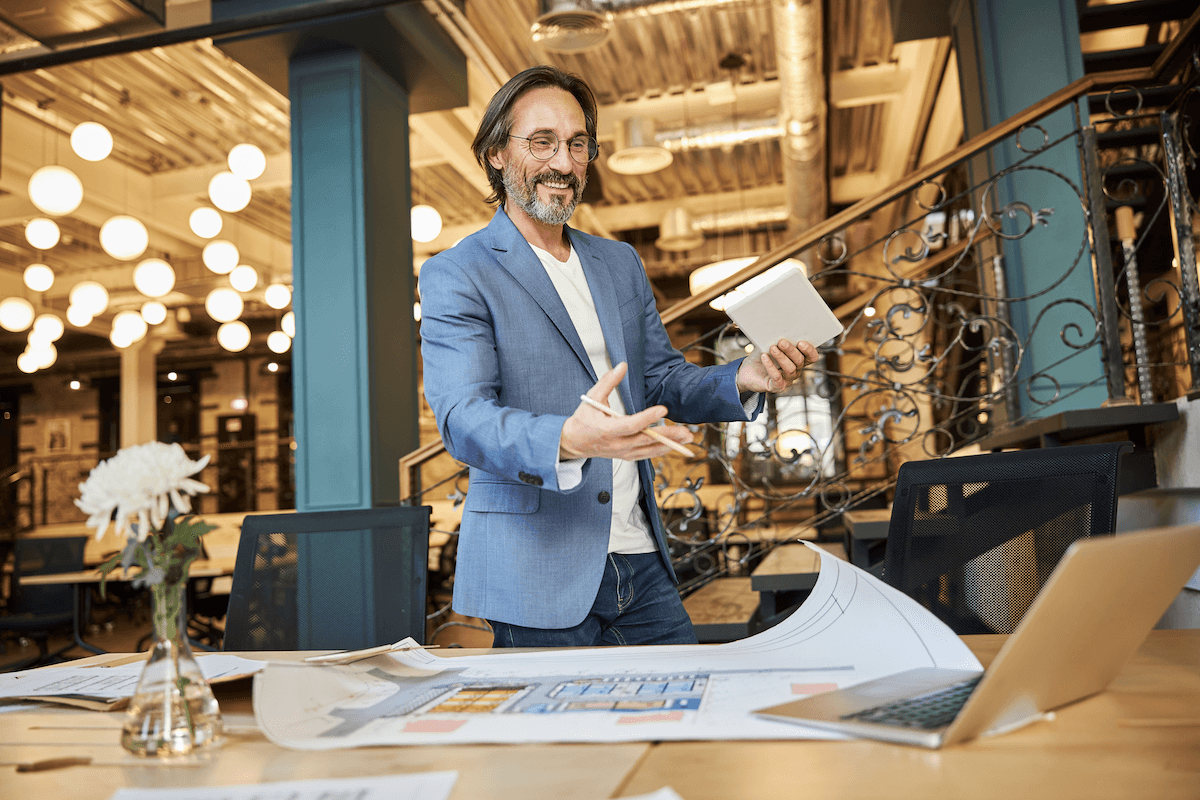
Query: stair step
[[1131, 137], [1124, 102], [1132, 58], [1143, 12]]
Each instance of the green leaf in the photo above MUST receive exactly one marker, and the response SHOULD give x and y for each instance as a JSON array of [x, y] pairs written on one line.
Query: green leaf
[[107, 567]]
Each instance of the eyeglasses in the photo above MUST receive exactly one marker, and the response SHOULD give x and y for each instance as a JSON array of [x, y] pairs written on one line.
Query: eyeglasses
[[543, 146]]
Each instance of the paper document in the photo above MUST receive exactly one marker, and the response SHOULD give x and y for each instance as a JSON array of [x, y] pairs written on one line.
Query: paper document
[[110, 683], [418, 786], [783, 306], [852, 628]]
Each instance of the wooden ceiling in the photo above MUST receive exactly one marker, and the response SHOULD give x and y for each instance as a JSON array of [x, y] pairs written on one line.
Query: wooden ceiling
[[175, 111]]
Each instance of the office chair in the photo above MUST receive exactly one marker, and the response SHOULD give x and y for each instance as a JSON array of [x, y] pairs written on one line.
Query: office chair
[[974, 538], [329, 580], [36, 612]]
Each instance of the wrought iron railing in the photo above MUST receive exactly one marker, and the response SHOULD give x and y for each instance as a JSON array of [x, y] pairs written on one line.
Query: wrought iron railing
[[943, 345]]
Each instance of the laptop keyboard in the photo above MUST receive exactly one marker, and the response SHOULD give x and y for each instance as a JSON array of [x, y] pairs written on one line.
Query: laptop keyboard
[[925, 711]]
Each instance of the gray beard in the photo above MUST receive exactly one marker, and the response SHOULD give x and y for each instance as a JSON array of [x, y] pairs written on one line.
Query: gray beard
[[524, 195]]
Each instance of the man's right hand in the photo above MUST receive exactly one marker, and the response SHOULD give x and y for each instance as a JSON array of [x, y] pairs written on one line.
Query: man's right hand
[[590, 433]]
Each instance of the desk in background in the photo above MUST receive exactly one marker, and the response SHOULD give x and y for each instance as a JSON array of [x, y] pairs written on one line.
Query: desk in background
[[1121, 744]]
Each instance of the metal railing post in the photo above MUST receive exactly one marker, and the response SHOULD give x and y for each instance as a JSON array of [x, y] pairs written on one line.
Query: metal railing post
[[1185, 250]]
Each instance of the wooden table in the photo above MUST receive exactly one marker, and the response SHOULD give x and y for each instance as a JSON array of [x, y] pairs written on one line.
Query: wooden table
[[1141, 739]]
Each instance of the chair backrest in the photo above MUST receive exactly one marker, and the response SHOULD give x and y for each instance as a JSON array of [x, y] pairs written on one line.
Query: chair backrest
[[974, 538], [329, 580], [45, 555]]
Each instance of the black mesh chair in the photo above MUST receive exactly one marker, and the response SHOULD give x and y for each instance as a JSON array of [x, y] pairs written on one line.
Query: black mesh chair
[[329, 580], [974, 538], [36, 612]]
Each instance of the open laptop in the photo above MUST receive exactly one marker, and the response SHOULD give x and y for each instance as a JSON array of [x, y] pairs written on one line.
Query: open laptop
[[1092, 614]]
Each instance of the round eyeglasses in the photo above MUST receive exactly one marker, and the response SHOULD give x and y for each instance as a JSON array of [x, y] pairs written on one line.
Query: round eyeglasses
[[543, 146]]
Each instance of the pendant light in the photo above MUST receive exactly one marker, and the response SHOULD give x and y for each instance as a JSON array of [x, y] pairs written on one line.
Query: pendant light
[[91, 141], [55, 190]]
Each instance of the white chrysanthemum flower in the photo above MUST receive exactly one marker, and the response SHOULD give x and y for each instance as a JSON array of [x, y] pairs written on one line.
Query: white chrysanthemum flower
[[141, 483]]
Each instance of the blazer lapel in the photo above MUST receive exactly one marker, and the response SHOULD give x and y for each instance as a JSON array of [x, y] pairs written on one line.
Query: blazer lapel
[[519, 260], [604, 295]]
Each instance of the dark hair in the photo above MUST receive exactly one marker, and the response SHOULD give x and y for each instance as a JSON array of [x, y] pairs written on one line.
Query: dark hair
[[498, 118]]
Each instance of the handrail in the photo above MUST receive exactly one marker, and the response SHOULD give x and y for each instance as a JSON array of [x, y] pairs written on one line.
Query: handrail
[[411, 463]]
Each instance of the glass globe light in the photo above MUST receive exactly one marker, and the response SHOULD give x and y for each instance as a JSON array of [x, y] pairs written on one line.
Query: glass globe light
[[426, 223], [42, 233], [119, 338], [123, 237], [91, 141], [90, 296], [416, 312], [288, 324], [228, 192], [154, 312], [233, 336], [16, 314], [247, 161], [224, 305], [50, 326], [277, 295], [55, 190], [205, 222], [220, 256], [79, 316], [154, 277], [130, 325], [39, 277], [27, 363], [243, 278], [43, 356], [278, 341]]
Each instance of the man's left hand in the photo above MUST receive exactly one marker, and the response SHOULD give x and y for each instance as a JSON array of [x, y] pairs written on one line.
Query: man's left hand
[[776, 369]]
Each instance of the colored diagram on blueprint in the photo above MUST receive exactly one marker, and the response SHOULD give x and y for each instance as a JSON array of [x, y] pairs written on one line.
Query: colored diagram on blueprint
[[852, 628]]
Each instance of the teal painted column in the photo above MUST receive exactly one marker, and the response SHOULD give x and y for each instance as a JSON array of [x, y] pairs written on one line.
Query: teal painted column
[[354, 362], [1011, 54]]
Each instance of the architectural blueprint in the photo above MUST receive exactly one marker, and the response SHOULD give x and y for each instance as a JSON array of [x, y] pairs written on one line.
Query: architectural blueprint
[[852, 628]]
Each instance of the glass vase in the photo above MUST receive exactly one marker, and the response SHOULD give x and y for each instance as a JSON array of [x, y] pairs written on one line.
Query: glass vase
[[173, 712]]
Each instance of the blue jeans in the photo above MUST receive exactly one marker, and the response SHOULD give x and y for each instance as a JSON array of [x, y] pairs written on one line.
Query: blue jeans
[[636, 604]]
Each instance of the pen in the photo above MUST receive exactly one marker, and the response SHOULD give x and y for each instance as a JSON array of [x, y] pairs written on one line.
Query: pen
[[658, 437]]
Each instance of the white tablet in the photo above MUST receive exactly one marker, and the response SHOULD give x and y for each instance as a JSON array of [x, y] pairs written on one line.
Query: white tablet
[[785, 307]]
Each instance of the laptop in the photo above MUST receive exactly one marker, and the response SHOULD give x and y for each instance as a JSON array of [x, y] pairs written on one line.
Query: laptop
[[1092, 614]]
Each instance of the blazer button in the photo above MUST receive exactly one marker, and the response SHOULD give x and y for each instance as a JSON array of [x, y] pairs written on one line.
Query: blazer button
[[603, 497]]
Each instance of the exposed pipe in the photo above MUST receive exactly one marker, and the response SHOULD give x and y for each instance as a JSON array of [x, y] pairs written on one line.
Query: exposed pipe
[[799, 60]]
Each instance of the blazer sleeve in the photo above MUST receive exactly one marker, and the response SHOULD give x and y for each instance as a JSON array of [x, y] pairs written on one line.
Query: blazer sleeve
[[462, 379]]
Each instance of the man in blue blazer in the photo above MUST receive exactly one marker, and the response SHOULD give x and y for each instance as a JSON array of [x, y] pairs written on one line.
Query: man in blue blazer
[[561, 542]]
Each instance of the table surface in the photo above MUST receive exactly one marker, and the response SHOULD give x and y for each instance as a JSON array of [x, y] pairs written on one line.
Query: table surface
[[1141, 738], [200, 568]]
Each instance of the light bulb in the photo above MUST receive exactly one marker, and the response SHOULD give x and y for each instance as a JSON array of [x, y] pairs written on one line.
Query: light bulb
[[42, 233], [124, 237], [277, 295], [154, 312], [119, 339], [90, 296], [55, 190], [27, 363], [16, 314], [50, 326], [243, 278], [228, 192], [426, 223], [278, 341], [205, 222], [247, 161], [233, 336], [130, 325], [288, 324], [91, 141], [220, 256], [44, 355], [79, 316], [224, 305], [39, 277], [154, 277]]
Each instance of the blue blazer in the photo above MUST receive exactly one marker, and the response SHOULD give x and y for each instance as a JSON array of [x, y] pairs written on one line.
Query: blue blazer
[[503, 369]]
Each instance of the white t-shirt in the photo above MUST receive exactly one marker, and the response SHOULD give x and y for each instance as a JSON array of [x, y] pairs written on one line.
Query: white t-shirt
[[629, 531]]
